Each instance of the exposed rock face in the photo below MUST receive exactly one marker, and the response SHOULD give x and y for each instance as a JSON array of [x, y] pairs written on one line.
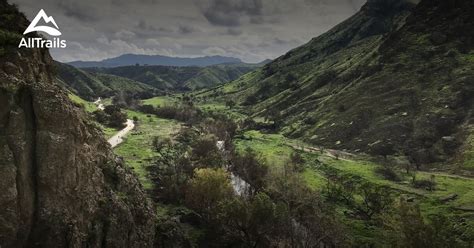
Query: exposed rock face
[[61, 185]]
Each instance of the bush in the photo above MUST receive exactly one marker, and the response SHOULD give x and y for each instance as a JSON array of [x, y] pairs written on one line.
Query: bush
[[424, 184], [310, 120], [111, 117], [251, 167], [147, 109], [297, 161], [207, 190], [250, 100], [184, 113], [205, 152], [388, 173]]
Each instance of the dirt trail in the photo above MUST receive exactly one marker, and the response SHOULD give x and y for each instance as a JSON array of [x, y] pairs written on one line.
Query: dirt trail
[[99, 104], [336, 154], [117, 139]]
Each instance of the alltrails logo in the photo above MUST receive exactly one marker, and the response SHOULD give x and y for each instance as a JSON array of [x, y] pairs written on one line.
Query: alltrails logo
[[40, 42]]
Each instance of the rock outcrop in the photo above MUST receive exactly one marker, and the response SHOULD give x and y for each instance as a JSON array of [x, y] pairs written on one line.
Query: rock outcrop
[[60, 183]]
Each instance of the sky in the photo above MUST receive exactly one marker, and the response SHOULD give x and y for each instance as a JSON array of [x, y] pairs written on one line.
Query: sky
[[252, 30]]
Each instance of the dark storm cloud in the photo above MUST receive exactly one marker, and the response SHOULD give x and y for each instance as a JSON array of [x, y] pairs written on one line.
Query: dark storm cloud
[[144, 26], [231, 12], [252, 30], [234, 31], [80, 12], [185, 29]]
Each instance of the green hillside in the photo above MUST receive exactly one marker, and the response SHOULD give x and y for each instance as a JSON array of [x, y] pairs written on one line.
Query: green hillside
[[179, 78], [80, 82], [394, 79], [122, 84], [216, 75], [93, 85]]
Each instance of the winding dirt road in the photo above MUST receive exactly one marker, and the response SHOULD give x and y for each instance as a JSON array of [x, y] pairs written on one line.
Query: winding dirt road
[[118, 138]]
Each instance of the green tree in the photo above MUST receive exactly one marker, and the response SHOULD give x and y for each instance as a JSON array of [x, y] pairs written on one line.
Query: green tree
[[170, 171], [251, 221], [304, 220], [252, 168], [230, 104], [207, 191], [205, 152], [409, 229], [298, 161], [375, 200]]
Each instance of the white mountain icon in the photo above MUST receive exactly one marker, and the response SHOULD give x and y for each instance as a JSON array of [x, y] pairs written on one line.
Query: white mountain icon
[[47, 19]]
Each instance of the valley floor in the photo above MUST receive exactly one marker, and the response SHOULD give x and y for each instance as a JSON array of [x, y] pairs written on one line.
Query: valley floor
[[452, 196]]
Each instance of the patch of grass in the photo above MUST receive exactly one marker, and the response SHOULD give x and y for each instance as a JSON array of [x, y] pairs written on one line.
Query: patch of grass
[[446, 184], [362, 169], [314, 179], [219, 107], [137, 146], [160, 101], [109, 132], [88, 106], [272, 146]]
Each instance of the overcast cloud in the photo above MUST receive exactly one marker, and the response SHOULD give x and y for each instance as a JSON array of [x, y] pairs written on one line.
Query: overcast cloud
[[252, 30]]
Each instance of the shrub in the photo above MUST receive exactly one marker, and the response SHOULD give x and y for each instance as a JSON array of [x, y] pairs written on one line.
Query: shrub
[[424, 184], [9, 38], [388, 173], [111, 117], [250, 100]]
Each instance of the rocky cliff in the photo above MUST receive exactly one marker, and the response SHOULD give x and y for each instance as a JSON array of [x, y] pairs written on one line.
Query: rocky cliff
[[61, 185]]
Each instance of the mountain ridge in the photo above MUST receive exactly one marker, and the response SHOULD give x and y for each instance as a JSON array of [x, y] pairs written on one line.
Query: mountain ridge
[[373, 83], [179, 78], [133, 59], [91, 86]]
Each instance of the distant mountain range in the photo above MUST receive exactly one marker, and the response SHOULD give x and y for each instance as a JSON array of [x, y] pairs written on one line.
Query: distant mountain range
[[183, 78], [133, 59], [90, 86], [145, 81]]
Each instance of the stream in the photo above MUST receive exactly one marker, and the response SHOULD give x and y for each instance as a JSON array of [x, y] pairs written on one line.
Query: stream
[[240, 186]]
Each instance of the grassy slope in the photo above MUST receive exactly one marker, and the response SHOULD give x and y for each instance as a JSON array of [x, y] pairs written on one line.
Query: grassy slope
[[80, 82], [361, 84], [91, 86], [178, 78], [275, 148], [116, 83], [160, 101], [216, 75], [88, 106]]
